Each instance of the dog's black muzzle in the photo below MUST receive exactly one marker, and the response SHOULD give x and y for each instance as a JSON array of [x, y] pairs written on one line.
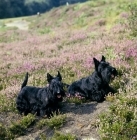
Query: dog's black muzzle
[[114, 73]]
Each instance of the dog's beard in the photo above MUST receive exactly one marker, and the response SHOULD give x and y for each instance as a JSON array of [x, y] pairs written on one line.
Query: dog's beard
[[112, 76], [108, 77], [59, 96]]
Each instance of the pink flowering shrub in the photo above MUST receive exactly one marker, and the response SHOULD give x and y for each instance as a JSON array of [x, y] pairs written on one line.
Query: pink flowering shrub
[[131, 52]]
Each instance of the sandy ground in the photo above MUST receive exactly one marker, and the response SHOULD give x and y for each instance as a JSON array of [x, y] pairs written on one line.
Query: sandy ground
[[20, 24]]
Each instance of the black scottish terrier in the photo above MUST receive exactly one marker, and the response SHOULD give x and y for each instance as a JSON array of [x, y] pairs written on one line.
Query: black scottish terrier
[[95, 86], [40, 101]]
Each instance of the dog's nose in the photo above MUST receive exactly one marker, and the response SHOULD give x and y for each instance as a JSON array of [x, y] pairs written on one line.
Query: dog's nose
[[114, 71]]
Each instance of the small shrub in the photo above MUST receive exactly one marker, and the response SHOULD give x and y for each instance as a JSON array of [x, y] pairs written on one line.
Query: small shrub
[[80, 21], [97, 3], [132, 20], [43, 137], [110, 97], [16, 129], [101, 22], [44, 31], [59, 47], [7, 104], [19, 128], [59, 136], [42, 123], [120, 122], [54, 122], [2, 132], [76, 100], [109, 53], [27, 120]]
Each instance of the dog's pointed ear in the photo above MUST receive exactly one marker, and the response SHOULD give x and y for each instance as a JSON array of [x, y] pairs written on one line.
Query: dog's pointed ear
[[49, 77], [59, 76], [103, 58], [96, 62]]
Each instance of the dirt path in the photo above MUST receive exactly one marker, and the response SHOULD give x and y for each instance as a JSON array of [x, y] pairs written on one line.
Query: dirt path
[[20, 24], [80, 121]]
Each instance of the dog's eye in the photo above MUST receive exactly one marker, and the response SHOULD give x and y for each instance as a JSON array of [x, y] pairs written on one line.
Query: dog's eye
[[106, 65]]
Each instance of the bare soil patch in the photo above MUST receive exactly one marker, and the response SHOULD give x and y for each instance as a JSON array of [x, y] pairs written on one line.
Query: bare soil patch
[[81, 120], [20, 24]]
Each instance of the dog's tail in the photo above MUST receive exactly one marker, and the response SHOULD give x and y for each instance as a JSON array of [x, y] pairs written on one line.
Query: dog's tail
[[25, 81]]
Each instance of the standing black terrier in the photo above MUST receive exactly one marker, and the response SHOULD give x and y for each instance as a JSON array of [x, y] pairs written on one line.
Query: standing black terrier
[[95, 86], [42, 101]]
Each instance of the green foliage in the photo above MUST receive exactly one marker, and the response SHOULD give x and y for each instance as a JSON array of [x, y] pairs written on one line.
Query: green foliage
[[2, 132], [132, 20], [18, 128], [2, 25], [38, 81], [2, 84], [109, 53], [45, 30], [80, 21], [76, 100], [9, 35], [121, 121], [42, 123], [7, 104], [77, 7], [97, 3], [68, 73], [43, 137], [60, 136], [110, 97], [55, 122], [27, 120]]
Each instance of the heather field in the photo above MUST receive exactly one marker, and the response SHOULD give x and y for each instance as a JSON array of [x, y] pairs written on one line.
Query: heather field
[[66, 39]]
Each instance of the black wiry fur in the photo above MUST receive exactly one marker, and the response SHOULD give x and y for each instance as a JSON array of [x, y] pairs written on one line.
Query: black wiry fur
[[42, 101], [95, 86]]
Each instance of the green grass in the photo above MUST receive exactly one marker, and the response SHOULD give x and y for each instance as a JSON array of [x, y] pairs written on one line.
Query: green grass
[[3, 132], [133, 19], [44, 31], [54, 122], [76, 100], [121, 120], [17, 128], [7, 105], [60, 136]]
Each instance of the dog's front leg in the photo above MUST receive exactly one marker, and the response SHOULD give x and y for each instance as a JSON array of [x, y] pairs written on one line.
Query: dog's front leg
[[111, 90], [43, 109], [98, 96], [46, 110]]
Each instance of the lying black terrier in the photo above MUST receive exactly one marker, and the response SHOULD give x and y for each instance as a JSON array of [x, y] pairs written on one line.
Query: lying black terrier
[[96, 86], [41, 101]]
